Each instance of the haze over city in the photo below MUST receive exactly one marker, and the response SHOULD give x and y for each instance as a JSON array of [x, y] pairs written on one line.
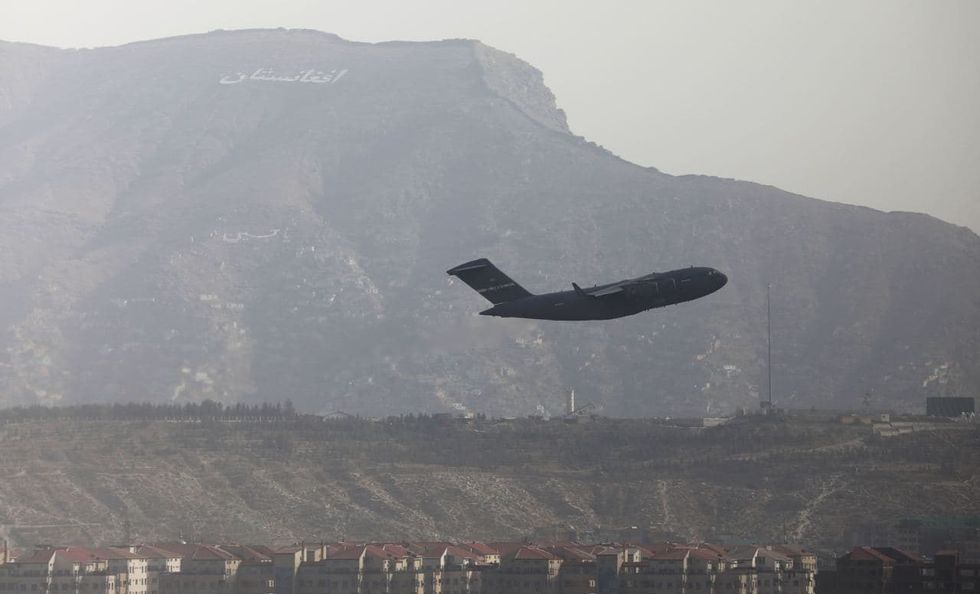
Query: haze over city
[[546, 298], [870, 103]]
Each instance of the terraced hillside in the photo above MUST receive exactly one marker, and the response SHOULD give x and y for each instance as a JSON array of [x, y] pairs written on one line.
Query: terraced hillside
[[761, 479]]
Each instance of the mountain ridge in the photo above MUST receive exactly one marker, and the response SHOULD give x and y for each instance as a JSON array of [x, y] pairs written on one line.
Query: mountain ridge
[[476, 45]]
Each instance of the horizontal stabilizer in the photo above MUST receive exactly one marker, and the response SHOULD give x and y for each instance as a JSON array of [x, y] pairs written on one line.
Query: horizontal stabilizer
[[487, 280]]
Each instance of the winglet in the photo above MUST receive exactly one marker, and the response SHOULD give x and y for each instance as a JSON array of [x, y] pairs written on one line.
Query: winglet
[[579, 291]]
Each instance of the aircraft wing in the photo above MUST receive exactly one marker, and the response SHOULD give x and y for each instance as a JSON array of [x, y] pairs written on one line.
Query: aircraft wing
[[613, 290], [596, 293]]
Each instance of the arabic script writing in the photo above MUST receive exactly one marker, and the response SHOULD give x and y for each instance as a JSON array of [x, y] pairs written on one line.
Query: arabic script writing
[[312, 76], [245, 236]]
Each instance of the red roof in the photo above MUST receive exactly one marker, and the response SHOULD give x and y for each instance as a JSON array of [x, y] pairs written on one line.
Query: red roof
[[38, 556], [481, 548], [180, 549], [705, 554], [713, 547], [776, 555], [74, 554], [744, 552], [571, 553], [532, 553], [155, 552], [113, 554], [651, 549], [376, 552], [210, 553], [506, 549], [672, 555], [245, 553], [263, 550], [348, 552], [81, 554], [396, 550], [600, 550], [429, 550], [791, 550], [868, 554], [462, 553], [899, 555]]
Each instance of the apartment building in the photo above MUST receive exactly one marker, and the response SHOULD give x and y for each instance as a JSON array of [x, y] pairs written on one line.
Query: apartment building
[[949, 572], [449, 569], [204, 569], [416, 568], [158, 561], [875, 570], [344, 569], [128, 566], [738, 580], [888, 570], [802, 558], [609, 561], [667, 568], [681, 570], [578, 571], [255, 577], [524, 569], [780, 569], [486, 555], [67, 570], [409, 576]]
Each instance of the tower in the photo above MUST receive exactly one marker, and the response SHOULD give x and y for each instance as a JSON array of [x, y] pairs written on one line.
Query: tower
[[769, 338], [766, 405]]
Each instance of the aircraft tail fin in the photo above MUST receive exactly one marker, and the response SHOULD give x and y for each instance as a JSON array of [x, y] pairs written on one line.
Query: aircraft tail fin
[[487, 280]]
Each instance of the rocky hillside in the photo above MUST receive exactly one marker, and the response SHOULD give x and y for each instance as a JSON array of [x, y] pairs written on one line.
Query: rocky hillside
[[261, 215], [774, 479]]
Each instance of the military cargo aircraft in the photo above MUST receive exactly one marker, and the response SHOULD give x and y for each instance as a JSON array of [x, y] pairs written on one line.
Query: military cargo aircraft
[[601, 302]]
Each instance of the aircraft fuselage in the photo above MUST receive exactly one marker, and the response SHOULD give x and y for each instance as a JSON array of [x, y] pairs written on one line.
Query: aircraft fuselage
[[601, 302], [641, 294]]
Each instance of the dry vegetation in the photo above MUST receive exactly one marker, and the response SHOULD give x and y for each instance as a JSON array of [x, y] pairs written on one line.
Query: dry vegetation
[[71, 479]]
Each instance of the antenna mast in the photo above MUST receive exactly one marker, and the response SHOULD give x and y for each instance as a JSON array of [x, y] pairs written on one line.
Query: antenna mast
[[769, 339]]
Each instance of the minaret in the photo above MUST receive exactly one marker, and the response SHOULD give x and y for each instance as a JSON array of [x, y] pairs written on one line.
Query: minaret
[[571, 401]]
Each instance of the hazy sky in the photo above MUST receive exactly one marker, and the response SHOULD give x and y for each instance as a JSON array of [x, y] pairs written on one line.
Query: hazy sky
[[871, 102]]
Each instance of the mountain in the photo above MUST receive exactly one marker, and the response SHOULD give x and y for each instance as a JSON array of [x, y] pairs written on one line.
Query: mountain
[[269, 214]]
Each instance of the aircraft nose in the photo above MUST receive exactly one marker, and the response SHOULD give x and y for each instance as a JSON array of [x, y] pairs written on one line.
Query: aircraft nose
[[722, 279]]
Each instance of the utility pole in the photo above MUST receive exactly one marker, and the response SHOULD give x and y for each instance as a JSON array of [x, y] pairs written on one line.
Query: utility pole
[[127, 528], [769, 340]]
